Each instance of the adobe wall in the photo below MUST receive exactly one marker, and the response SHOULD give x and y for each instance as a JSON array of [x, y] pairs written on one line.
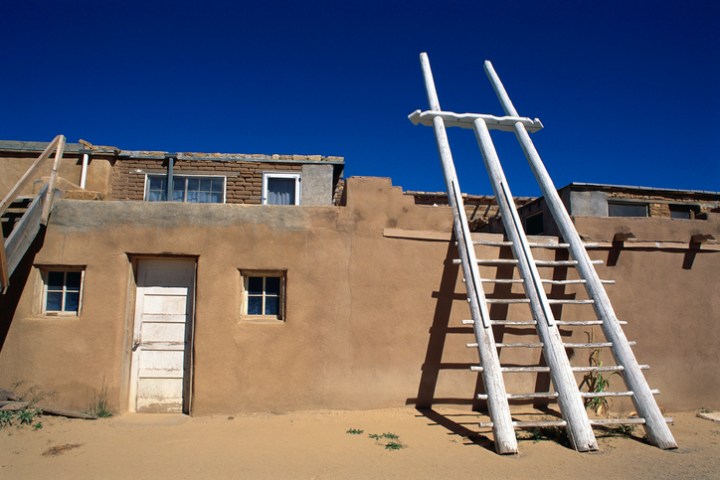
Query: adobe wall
[[14, 165], [374, 307]]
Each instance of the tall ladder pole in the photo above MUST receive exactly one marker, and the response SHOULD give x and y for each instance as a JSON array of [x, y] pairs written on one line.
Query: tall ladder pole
[[571, 403], [498, 407], [655, 425]]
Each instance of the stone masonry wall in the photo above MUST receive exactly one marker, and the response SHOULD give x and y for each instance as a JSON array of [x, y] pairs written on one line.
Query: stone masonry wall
[[243, 185]]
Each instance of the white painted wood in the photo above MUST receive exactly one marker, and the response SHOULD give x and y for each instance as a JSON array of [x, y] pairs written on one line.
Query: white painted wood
[[162, 336], [498, 407], [657, 430], [50, 194], [571, 404]]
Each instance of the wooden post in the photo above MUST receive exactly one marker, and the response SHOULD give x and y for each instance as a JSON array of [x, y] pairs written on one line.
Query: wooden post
[[499, 409], [571, 404], [50, 194], [657, 430]]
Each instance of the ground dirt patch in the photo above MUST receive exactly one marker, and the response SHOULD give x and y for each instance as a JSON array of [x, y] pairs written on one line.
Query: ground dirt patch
[[443, 443]]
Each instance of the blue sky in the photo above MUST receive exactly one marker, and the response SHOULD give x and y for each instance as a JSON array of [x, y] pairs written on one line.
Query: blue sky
[[628, 91]]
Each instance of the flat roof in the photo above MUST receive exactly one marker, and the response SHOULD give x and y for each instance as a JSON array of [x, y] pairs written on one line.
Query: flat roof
[[87, 147]]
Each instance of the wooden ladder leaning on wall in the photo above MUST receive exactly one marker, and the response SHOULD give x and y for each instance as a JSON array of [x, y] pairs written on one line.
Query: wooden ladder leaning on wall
[[14, 247], [567, 393]]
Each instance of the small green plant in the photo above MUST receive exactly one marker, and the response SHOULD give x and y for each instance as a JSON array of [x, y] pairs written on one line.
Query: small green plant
[[595, 382], [100, 407], [354, 431], [388, 440], [394, 445], [624, 429], [555, 434], [37, 426]]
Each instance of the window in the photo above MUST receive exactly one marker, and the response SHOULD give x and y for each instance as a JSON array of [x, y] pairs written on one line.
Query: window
[[686, 212], [534, 224], [62, 291], [281, 189], [627, 209], [186, 188], [263, 295]]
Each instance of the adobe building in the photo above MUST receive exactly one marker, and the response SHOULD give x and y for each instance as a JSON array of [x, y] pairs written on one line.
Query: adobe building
[[219, 283]]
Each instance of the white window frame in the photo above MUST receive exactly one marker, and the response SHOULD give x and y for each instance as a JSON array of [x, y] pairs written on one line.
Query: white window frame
[[146, 190], [269, 175], [44, 272], [245, 277]]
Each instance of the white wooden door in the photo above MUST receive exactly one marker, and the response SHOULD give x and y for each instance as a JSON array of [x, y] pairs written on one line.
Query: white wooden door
[[162, 337]]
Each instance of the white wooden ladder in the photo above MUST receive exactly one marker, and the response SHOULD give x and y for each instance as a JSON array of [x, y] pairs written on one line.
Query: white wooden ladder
[[567, 393]]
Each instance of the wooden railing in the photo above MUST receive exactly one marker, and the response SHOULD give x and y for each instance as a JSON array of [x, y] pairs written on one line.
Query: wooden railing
[[58, 144]]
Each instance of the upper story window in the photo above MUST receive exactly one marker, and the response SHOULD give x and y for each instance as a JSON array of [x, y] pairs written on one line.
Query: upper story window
[[627, 209], [62, 291], [686, 212], [186, 188], [281, 189]]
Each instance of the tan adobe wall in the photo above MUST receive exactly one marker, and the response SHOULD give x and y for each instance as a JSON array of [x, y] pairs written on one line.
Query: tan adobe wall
[[374, 307], [244, 179], [14, 165]]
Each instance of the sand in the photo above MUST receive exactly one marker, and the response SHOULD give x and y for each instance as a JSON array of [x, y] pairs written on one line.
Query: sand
[[316, 445]]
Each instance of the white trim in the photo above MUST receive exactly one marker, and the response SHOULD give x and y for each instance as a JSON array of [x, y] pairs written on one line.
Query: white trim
[[162, 174], [267, 175]]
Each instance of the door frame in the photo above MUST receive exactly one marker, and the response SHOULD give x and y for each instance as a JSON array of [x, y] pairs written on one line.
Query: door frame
[[189, 357]]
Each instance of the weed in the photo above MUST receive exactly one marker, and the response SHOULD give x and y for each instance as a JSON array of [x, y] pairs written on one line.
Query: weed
[[624, 429], [100, 407], [388, 440], [354, 431], [705, 410], [26, 416], [37, 426], [554, 434], [394, 445], [595, 382]]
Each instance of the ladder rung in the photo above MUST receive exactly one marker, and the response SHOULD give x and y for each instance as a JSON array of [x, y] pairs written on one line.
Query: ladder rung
[[513, 322], [501, 280], [522, 396], [561, 301], [606, 368], [582, 323], [632, 343], [530, 424], [628, 393], [497, 261], [564, 282], [520, 344], [507, 300], [562, 263], [490, 243], [598, 422], [543, 368]]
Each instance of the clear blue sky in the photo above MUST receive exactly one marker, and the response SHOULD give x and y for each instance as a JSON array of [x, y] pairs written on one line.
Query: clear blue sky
[[628, 91]]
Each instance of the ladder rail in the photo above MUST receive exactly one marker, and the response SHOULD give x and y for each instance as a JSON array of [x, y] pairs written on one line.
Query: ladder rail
[[571, 404], [498, 406], [658, 432]]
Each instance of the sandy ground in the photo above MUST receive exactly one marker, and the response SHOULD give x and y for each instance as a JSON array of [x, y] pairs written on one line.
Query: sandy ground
[[316, 445]]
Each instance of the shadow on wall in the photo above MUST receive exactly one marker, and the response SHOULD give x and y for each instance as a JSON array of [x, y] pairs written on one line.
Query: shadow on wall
[[10, 300]]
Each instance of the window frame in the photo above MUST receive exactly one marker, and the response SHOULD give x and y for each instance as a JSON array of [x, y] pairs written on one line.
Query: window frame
[[44, 278], [245, 276], [184, 177], [624, 203], [267, 176]]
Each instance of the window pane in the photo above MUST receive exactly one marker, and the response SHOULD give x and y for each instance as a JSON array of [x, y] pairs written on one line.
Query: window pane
[[254, 305], [178, 192], [55, 280], [72, 301], [193, 184], [193, 197], [272, 285], [156, 196], [255, 285], [54, 301], [217, 184], [281, 191], [73, 280], [215, 197], [627, 209], [157, 183], [272, 305]]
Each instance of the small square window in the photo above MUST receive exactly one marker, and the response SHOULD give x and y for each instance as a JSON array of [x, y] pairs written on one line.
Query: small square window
[[263, 295], [686, 212], [62, 291]]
